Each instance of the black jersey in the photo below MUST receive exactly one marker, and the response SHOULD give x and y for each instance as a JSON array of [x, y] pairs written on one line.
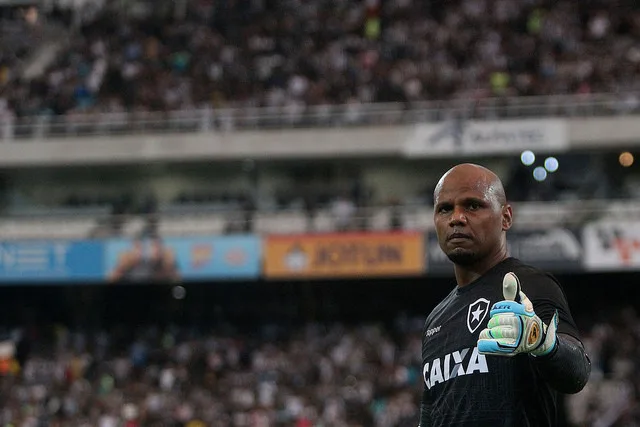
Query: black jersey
[[464, 388]]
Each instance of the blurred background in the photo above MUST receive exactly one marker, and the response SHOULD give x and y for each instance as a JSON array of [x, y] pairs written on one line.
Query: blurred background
[[219, 212]]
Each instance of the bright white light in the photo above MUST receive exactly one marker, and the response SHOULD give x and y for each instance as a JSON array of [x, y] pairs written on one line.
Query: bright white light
[[540, 173], [551, 164], [527, 158]]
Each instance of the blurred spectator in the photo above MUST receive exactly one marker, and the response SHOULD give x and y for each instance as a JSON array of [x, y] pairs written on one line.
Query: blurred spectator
[[395, 220], [343, 210]]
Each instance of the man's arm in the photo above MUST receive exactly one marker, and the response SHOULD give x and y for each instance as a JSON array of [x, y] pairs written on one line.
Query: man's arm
[[548, 333], [567, 367], [425, 409]]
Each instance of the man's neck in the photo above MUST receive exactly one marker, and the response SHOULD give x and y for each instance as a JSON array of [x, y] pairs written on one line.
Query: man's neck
[[469, 273]]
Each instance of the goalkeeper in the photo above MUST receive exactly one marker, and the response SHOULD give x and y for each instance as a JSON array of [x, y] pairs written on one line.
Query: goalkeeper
[[502, 345]]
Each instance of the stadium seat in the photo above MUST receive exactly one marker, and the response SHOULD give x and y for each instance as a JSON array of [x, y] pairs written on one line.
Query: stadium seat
[[192, 225], [418, 218], [541, 214], [133, 227], [380, 219], [41, 228], [322, 222], [281, 222]]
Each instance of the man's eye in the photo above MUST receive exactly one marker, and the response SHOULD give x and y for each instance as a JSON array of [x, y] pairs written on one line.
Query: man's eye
[[444, 209], [474, 206]]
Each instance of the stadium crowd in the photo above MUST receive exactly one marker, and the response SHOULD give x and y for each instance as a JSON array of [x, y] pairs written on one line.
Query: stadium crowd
[[293, 54], [315, 375], [320, 375], [288, 55]]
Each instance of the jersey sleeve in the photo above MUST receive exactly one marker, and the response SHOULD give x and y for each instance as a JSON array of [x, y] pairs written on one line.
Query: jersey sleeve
[[547, 296]]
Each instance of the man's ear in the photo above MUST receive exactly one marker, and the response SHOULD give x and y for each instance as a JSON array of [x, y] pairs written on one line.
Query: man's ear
[[507, 217]]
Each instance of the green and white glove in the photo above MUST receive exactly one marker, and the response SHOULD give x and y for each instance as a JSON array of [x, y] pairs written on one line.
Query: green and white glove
[[514, 327]]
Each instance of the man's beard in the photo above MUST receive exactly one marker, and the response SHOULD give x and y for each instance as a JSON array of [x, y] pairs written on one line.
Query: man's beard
[[463, 257]]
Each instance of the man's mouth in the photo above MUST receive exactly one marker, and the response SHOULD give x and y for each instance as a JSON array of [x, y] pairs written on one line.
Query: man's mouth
[[460, 236]]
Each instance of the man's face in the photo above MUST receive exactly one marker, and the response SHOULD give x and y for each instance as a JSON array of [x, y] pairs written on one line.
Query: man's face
[[469, 219]]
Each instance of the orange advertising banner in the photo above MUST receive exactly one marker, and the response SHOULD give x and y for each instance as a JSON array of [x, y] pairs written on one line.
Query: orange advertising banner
[[339, 255]]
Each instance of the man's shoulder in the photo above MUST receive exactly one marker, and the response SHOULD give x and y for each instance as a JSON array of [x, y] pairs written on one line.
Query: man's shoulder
[[440, 307]]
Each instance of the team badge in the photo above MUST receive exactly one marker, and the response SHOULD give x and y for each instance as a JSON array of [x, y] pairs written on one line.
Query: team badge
[[476, 314]]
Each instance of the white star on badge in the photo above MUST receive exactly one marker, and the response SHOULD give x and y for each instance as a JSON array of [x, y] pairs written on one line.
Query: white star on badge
[[476, 314]]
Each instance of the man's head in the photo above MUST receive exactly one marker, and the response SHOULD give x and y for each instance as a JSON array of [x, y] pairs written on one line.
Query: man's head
[[471, 214]]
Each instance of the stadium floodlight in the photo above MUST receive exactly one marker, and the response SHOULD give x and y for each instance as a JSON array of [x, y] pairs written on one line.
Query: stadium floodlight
[[626, 159], [540, 174], [527, 157], [551, 164]]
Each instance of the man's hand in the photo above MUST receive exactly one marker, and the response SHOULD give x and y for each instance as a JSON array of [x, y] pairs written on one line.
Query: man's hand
[[514, 327]]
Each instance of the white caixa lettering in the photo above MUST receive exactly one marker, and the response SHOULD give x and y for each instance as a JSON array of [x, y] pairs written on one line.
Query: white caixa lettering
[[439, 371]]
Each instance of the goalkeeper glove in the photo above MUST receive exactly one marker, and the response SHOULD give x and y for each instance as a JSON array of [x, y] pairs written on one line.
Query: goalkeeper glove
[[514, 327]]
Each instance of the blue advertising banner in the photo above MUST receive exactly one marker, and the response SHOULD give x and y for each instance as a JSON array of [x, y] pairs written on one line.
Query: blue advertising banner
[[51, 261], [175, 259]]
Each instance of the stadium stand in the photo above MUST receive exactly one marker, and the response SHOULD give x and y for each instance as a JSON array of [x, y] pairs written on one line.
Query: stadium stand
[[309, 375], [89, 80], [244, 53], [328, 60], [558, 207], [99, 70]]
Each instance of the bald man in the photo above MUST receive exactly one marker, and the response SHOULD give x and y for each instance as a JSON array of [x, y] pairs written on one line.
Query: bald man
[[502, 345]]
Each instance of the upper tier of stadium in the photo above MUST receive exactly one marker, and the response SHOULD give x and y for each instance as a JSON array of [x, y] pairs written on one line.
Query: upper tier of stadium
[[296, 54]]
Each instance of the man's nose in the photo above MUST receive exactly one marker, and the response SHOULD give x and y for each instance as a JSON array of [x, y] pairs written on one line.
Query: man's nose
[[457, 217]]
